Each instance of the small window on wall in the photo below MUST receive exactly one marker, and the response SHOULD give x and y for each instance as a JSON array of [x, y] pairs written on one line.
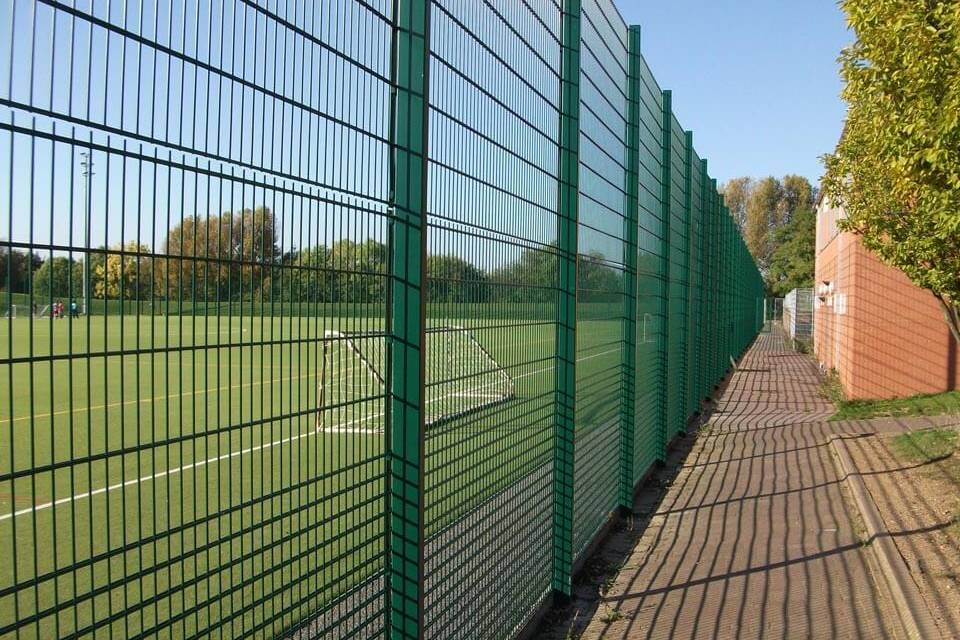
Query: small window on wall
[[840, 304]]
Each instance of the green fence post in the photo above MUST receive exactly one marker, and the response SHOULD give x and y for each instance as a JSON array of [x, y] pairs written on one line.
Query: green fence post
[[406, 318], [717, 260], [711, 281], [566, 338], [728, 295], [688, 225], [732, 295], [724, 289], [630, 224], [708, 284], [702, 255], [731, 271], [665, 275]]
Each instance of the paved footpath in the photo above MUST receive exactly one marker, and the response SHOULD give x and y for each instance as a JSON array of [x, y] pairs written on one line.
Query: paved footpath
[[754, 538]]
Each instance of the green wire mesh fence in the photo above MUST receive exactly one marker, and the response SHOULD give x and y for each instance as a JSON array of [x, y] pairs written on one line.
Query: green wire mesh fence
[[347, 318]]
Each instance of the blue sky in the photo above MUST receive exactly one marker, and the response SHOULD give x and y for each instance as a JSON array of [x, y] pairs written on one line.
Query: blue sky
[[756, 80], [173, 137]]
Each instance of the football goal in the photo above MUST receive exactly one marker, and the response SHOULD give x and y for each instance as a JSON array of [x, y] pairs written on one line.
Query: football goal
[[461, 377]]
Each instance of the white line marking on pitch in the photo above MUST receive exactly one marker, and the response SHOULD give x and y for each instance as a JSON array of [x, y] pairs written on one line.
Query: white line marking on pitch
[[155, 476], [118, 403], [194, 465]]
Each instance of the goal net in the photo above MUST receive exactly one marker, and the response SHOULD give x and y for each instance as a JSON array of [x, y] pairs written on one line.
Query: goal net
[[461, 377]]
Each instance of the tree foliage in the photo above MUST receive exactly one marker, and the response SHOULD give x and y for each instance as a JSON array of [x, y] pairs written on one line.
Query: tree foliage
[[16, 268], [301, 276], [596, 281], [453, 279], [793, 259], [126, 274], [359, 271], [223, 257], [529, 279], [235, 257], [736, 194], [762, 219], [58, 277], [896, 170], [797, 194], [761, 207]]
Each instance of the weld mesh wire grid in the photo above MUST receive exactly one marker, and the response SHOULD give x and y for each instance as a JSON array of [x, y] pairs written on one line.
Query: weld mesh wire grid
[[491, 263], [602, 209], [161, 458], [651, 275], [195, 445], [693, 393], [678, 280]]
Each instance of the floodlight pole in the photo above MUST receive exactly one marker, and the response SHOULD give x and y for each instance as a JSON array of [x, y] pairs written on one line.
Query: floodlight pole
[[86, 165]]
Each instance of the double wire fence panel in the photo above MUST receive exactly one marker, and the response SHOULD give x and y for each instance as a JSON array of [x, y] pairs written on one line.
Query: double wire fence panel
[[345, 318]]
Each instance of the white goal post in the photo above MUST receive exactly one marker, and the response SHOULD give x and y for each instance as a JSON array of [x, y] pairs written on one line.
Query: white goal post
[[347, 378], [462, 377]]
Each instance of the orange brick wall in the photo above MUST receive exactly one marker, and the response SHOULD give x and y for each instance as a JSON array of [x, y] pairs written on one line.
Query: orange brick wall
[[890, 339]]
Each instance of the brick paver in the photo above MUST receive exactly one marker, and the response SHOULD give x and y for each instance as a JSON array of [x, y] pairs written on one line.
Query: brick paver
[[754, 538]]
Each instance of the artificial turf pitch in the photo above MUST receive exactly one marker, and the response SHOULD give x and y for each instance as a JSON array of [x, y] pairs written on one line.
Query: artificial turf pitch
[[167, 472]]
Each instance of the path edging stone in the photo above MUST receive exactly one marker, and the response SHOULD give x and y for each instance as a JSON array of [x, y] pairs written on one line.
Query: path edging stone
[[911, 610]]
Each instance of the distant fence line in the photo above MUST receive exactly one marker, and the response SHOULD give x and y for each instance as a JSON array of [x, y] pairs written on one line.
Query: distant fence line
[[26, 304], [798, 314]]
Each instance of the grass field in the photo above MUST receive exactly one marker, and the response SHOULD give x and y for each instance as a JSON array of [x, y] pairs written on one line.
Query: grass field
[[167, 473]]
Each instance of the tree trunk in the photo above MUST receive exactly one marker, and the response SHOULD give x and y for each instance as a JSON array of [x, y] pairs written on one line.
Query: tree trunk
[[951, 312]]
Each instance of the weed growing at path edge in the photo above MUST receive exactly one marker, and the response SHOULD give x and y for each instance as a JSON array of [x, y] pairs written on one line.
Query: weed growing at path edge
[[919, 405]]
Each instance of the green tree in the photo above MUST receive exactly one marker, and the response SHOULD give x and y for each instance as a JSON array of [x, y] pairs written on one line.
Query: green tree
[[15, 269], [223, 257], [896, 170], [736, 195], [124, 277], [762, 218], [253, 236], [58, 278], [762, 207], [302, 276], [797, 194], [596, 281], [793, 259], [531, 278], [97, 259], [358, 271], [453, 279], [197, 266], [313, 274]]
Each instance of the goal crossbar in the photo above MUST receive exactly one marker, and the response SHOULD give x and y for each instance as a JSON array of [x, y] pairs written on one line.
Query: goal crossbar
[[462, 377]]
